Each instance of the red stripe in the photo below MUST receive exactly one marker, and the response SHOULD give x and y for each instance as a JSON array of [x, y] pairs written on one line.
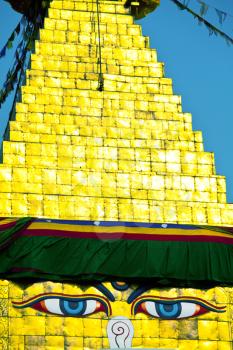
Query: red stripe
[[126, 236], [7, 226]]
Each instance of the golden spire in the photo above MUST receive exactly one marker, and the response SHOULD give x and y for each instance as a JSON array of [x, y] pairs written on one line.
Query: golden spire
[[125, 153]]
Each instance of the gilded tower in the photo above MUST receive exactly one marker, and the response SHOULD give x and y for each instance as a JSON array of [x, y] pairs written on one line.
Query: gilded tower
[[99, 136], [127, 152]]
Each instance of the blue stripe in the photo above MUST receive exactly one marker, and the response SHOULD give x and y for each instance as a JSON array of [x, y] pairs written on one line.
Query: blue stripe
[[118, 223]]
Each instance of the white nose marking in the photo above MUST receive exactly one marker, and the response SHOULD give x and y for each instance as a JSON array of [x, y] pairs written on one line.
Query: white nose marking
[[120, 332]]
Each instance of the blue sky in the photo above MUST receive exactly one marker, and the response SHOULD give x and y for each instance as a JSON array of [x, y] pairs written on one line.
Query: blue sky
[[201, 68]]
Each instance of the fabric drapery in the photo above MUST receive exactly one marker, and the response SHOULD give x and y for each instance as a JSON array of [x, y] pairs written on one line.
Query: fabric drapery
[[87, 251]]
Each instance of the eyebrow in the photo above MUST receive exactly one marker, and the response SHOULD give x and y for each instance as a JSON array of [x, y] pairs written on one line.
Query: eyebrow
[[105, 291], [137, 292]]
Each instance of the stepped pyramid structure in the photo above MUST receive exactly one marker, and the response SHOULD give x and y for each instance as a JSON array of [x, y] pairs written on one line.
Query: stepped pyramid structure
[[127, 153], [102, 188]]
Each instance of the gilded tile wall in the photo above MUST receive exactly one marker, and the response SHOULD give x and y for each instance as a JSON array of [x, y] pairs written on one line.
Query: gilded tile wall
[[125, 153], [32, 330]]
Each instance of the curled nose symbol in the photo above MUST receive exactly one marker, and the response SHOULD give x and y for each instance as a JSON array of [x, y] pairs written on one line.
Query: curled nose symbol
[[120, 332]]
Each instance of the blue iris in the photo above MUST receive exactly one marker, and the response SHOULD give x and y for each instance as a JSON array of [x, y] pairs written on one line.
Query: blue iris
[[168, 310], [73, 307]]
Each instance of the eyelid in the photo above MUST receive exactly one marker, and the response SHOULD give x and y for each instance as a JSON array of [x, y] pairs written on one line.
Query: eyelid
[[198, 301], [40, 297]]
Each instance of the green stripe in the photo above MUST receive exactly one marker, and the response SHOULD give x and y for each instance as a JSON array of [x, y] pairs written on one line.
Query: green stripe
[[163, 263]]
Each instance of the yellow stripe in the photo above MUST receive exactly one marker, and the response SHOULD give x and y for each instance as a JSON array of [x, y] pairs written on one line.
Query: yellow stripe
[[7, 221], [124, 229]]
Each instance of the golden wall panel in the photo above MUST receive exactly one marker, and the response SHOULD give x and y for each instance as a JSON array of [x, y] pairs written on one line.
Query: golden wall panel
[[28, 328]]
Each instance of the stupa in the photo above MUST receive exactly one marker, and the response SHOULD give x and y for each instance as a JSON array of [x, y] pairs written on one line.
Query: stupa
[[104, 180]]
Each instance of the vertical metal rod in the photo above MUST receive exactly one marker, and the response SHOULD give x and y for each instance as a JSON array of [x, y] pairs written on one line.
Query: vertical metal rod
[[101, 80]]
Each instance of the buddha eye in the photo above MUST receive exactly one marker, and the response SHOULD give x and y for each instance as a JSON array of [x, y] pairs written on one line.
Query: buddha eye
[[67, 305], [172, 309]]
